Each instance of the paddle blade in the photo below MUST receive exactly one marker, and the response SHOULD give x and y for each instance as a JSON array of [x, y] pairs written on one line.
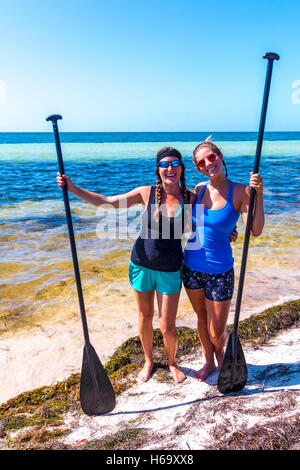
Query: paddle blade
[[96, 393], [234, 373]]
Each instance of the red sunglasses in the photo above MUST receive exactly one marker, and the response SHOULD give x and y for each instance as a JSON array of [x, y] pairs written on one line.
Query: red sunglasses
[[211, 158]]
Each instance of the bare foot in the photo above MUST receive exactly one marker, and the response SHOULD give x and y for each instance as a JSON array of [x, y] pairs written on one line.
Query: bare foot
[[145, 373], [177, 374], [203, 373]]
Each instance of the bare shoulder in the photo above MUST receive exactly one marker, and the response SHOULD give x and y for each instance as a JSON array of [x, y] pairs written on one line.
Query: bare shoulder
[[241, 191], [140, 190], [241, 195], [199, 187], [193, 196], [139, 195], [145, 193], [144, 189]]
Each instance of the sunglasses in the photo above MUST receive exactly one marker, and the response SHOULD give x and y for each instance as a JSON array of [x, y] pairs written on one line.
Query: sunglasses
[[173, 163], [211, 158]]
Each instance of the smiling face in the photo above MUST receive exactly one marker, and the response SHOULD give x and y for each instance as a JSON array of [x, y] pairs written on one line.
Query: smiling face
[[170, 174], [208, 162]]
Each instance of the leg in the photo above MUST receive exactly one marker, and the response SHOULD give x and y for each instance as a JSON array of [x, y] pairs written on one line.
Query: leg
[[217, 313], [218, 293], [145, 304], [198, 301], [167, 306]]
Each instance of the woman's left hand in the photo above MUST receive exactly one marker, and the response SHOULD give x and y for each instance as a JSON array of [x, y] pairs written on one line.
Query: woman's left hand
[[256, 182], [234, 235]]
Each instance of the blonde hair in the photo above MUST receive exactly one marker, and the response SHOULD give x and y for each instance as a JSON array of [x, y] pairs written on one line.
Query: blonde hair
[[213, 147]]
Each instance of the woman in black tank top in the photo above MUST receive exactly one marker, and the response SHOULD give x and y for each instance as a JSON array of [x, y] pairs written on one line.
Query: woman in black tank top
[[156, 259]]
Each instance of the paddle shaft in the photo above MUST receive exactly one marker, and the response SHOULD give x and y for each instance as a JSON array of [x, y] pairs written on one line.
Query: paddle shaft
[[71, 233], [271, 57]]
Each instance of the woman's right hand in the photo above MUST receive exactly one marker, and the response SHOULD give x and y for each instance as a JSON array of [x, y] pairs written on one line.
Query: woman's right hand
[[63, 180]]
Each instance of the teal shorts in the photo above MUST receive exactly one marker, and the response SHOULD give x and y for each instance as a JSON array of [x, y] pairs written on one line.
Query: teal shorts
[[145, 280]]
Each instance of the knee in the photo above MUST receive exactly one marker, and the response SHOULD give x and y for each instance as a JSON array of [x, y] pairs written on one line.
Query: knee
[[168, 330], [146, 315], [217, 336]]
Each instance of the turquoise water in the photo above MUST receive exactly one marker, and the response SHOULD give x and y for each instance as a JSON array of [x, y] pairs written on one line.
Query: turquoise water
[[123, 137], [34, 251], [29, 168]]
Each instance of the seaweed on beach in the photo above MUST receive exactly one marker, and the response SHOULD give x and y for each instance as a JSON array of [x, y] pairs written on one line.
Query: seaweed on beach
[[47, 439], [256, 330], [40, 438], [126, 439], [260, 328], [44, 407], [129, 357], [40, 407], [282, 434]]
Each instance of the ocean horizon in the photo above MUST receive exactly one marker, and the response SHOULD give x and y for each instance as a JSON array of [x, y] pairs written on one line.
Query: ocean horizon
[[142, 136]]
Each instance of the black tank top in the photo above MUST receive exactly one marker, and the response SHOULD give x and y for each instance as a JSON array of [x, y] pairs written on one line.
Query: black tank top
[[159, 245]]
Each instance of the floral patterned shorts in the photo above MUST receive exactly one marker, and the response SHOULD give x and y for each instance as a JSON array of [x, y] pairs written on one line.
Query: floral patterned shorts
[[217, 287]]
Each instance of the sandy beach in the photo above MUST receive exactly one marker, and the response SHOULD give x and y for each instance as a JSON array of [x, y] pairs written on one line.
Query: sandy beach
[[50, 351], [193, 415]]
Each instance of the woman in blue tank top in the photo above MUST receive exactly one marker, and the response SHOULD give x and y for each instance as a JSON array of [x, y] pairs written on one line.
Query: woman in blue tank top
[[156, 259], [208, 274]]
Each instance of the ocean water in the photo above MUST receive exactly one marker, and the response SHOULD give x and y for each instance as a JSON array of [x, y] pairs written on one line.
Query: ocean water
[[36, 276]]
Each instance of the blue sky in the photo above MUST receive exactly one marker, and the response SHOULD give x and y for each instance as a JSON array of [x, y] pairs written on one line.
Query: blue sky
[[155, 65]]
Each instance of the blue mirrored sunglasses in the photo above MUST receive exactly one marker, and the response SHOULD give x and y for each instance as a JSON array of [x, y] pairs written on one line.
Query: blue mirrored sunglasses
[[173, 163]]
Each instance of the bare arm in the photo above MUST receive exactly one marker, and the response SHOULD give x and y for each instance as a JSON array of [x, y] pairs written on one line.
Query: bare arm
[[198, 189], [138, 195], [258, 220]]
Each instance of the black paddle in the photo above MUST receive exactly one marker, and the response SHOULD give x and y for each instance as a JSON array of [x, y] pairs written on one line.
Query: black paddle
[[233, 374], [96, 393]]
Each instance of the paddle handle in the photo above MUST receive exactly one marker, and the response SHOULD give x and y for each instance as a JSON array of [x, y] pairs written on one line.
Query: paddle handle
[[54, 118], [270, 56]]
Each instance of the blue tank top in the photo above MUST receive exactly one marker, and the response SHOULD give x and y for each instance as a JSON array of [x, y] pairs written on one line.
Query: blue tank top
[[209, 250]]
